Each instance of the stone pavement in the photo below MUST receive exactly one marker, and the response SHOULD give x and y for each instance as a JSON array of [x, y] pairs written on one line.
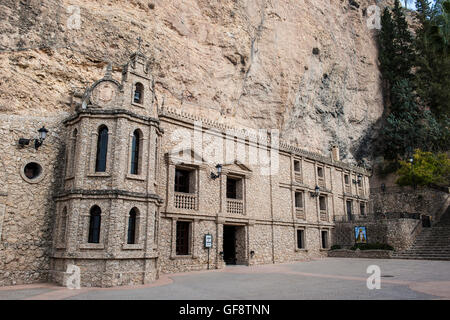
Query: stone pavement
[[328, 278]]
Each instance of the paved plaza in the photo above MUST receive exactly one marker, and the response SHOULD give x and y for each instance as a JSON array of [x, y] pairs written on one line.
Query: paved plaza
[[328, 278]]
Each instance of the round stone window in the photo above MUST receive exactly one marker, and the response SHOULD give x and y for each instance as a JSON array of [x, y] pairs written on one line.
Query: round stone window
[[32, 172]]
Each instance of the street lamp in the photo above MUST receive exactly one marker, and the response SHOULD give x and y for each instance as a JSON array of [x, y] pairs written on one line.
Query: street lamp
[[411, 160], [214, 176], [316, 192], [357, 181], [37, 141]]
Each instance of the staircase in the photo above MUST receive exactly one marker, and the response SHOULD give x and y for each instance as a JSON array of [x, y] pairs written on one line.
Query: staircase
[[432, 243]]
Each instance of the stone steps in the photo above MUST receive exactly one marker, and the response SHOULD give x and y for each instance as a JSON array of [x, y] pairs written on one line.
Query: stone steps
[[431, 244]]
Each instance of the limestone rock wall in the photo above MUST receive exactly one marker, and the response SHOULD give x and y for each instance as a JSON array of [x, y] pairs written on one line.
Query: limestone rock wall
[[306, 67]]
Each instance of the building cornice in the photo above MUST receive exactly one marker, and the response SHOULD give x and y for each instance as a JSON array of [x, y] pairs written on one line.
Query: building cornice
[[109, 194], [244, 134]]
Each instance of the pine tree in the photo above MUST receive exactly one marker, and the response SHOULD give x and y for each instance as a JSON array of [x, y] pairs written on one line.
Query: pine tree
[[387, 52], [402, 42]]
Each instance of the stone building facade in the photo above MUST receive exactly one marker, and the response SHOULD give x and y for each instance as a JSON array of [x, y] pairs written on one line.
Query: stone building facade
[[126, 188]]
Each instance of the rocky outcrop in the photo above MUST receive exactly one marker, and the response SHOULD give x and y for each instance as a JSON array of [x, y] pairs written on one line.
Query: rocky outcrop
[[306, 67]]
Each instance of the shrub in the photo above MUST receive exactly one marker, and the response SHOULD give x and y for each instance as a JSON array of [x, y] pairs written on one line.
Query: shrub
[[335, 247], [427, 168]]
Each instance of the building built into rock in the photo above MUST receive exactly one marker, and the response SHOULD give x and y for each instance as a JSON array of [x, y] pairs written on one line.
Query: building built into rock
[[126, 188]]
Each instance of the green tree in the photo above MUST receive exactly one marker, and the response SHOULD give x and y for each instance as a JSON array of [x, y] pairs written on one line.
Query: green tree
[[427, 168], [408, 125], [403, 44], [432, 63]]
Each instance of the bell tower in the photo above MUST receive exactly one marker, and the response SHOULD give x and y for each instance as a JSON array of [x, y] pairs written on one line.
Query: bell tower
[[138, 84], [107, 209]]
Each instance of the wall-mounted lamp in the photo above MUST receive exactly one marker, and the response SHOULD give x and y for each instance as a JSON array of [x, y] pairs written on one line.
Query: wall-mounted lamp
[[214, 176], [357, 181], [316, 192], [37, 141], [252, 254]]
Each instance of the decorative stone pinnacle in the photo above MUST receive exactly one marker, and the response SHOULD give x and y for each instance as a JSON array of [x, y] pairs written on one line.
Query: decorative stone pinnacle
[[108, 73], [139, 39]]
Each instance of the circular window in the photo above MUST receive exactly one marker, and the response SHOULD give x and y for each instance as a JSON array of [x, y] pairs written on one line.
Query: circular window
[[32, 172]]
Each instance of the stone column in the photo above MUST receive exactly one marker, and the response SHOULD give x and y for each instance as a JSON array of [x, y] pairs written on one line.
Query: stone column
[[219, 243]]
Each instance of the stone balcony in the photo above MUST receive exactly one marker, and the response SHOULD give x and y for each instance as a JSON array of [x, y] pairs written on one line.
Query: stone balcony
[[187, 201], [323, 215], [235, 206]]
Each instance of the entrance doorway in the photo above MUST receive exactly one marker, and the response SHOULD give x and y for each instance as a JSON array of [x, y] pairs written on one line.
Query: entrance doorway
[[229, 244], [349, 210], [234, 245]]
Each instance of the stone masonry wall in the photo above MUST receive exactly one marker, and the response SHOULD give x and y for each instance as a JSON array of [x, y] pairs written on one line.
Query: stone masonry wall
[[27, 220], [399, 233], [422, 200]]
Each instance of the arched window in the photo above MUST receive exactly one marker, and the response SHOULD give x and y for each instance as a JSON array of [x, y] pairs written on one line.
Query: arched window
[[138, 96], [94, 224], [135, 144], [63, 225], [132, 218], [74, 150], [102, 149]]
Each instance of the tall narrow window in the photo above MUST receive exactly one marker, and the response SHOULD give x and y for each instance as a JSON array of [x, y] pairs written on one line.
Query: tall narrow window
[[135, 152], [349, 209], [102, 149], [138, 93], [300, 239], [299, 200], [131, 239], [182, 242], [324, 239], [362, 208], [323, 203], [346, 179], [73, 151], [297, 166], [94, 224]]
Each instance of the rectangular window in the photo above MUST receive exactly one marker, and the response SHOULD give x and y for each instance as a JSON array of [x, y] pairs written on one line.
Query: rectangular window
[[347, 179], [299, 199], [296, 166], [320, 172], [323, 203], [324, 239], [182, 243], [182, 180], [300, 239], [234, 188], [362, 208], [231, 188]]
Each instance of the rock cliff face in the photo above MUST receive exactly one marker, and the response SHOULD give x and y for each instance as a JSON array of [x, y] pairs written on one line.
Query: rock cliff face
[[305, 67]]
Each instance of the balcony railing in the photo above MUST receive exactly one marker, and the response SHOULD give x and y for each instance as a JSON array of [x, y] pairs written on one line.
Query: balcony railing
[[235, 206], [186, 201], [348, 189], [298, 177], [323, 215]]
